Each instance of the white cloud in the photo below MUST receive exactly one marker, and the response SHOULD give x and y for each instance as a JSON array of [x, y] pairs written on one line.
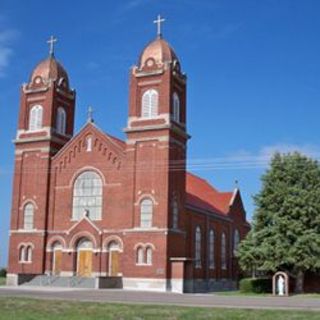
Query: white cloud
[[309, 150], [244, 159], [134, 3], [226, 31], [261, 159], [6, 38]]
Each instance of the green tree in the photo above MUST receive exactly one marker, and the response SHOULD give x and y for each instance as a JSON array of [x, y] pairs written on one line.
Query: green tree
[[285, 234]]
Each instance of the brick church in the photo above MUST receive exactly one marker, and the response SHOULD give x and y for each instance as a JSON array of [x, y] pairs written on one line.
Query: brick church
[[92, 210]]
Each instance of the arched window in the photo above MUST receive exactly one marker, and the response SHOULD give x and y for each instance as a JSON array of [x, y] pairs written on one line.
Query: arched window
[[113, 246], [61, 120], [140, 256], [35, 118], [57, 246], [198, 247], [149, 106], [28, 255], [236, 241], [146, 213], [211, 249], [22, 253], [84, 243], [175, 214], [149, 256], [28, 214], [176, 107], [223, 251], [87, 196]]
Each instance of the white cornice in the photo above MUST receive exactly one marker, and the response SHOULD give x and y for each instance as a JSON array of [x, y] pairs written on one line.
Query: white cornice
[[89, 221]]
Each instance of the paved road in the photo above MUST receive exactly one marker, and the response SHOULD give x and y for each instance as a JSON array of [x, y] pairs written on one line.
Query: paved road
[[156, 298]]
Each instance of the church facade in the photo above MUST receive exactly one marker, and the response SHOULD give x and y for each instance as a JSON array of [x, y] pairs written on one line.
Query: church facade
[[124, 213]]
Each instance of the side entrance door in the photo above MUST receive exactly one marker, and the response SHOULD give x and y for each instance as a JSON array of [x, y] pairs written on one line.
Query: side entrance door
[[113, 263], [57, 261]]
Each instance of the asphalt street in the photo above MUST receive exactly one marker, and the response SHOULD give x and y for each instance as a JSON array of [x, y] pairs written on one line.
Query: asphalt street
[[164, 298]]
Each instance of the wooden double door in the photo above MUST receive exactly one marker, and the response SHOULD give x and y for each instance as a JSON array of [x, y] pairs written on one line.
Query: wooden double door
[[84, 263]]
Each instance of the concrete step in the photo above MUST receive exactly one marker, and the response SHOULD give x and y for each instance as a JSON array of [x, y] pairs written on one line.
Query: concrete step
[[66, 282]]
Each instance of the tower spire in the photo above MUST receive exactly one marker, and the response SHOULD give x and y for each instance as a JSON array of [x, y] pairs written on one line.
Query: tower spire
[[52, 40], [158, 22]]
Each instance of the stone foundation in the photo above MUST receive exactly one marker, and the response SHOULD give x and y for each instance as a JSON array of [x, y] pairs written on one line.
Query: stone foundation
[[18, 279], [145, 284]]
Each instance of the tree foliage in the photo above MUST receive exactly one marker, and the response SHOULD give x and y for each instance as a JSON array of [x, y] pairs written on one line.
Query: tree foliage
[[285, 233]]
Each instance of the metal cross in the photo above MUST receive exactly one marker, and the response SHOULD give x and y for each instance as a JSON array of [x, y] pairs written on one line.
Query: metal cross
[[51, 43], [90, 114], [158, 22]]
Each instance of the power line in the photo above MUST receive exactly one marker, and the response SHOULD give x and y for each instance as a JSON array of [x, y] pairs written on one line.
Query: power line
[[204, 164]]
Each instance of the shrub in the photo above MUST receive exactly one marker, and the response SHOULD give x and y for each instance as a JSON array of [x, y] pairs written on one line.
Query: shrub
[[256, 285], [3, 273]]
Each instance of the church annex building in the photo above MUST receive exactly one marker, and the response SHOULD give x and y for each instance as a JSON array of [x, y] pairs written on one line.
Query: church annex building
[[90, 210]]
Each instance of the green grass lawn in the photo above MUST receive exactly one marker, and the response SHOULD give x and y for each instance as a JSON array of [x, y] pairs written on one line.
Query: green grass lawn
[[32, 309], [2, 281]]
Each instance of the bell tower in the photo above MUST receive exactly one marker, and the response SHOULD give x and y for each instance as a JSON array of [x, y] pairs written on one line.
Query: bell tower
[[157, 141], [47, 105], [46, 124]]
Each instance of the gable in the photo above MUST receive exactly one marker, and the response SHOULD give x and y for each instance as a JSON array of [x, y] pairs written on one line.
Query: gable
[[101, 144], [237, 207]]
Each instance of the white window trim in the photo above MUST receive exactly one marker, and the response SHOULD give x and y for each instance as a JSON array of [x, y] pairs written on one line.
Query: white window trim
[[75, 215], [150, 214], [24, 248], [140, 260], [35, 118], [147, 111], [30, 216], [144, 249]]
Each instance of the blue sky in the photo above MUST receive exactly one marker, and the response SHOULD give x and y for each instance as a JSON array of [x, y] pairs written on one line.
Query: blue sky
[[253, 76]]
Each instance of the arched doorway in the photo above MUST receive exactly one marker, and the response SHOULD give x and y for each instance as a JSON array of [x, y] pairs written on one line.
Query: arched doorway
[[113, 261], [57, 259], [84, 258]]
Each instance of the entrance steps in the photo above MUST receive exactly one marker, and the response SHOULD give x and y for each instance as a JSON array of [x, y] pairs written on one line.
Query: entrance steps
[[73, 282]]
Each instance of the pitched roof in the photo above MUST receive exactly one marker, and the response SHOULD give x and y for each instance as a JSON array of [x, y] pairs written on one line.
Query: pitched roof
[[204, 196], [116, 140]]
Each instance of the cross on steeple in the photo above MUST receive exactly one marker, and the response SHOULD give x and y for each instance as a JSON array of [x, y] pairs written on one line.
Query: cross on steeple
[[158, 21], [90, 114], [51, 43]]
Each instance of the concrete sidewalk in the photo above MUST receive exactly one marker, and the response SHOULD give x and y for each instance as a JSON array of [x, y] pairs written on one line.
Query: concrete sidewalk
[[165, 298]]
